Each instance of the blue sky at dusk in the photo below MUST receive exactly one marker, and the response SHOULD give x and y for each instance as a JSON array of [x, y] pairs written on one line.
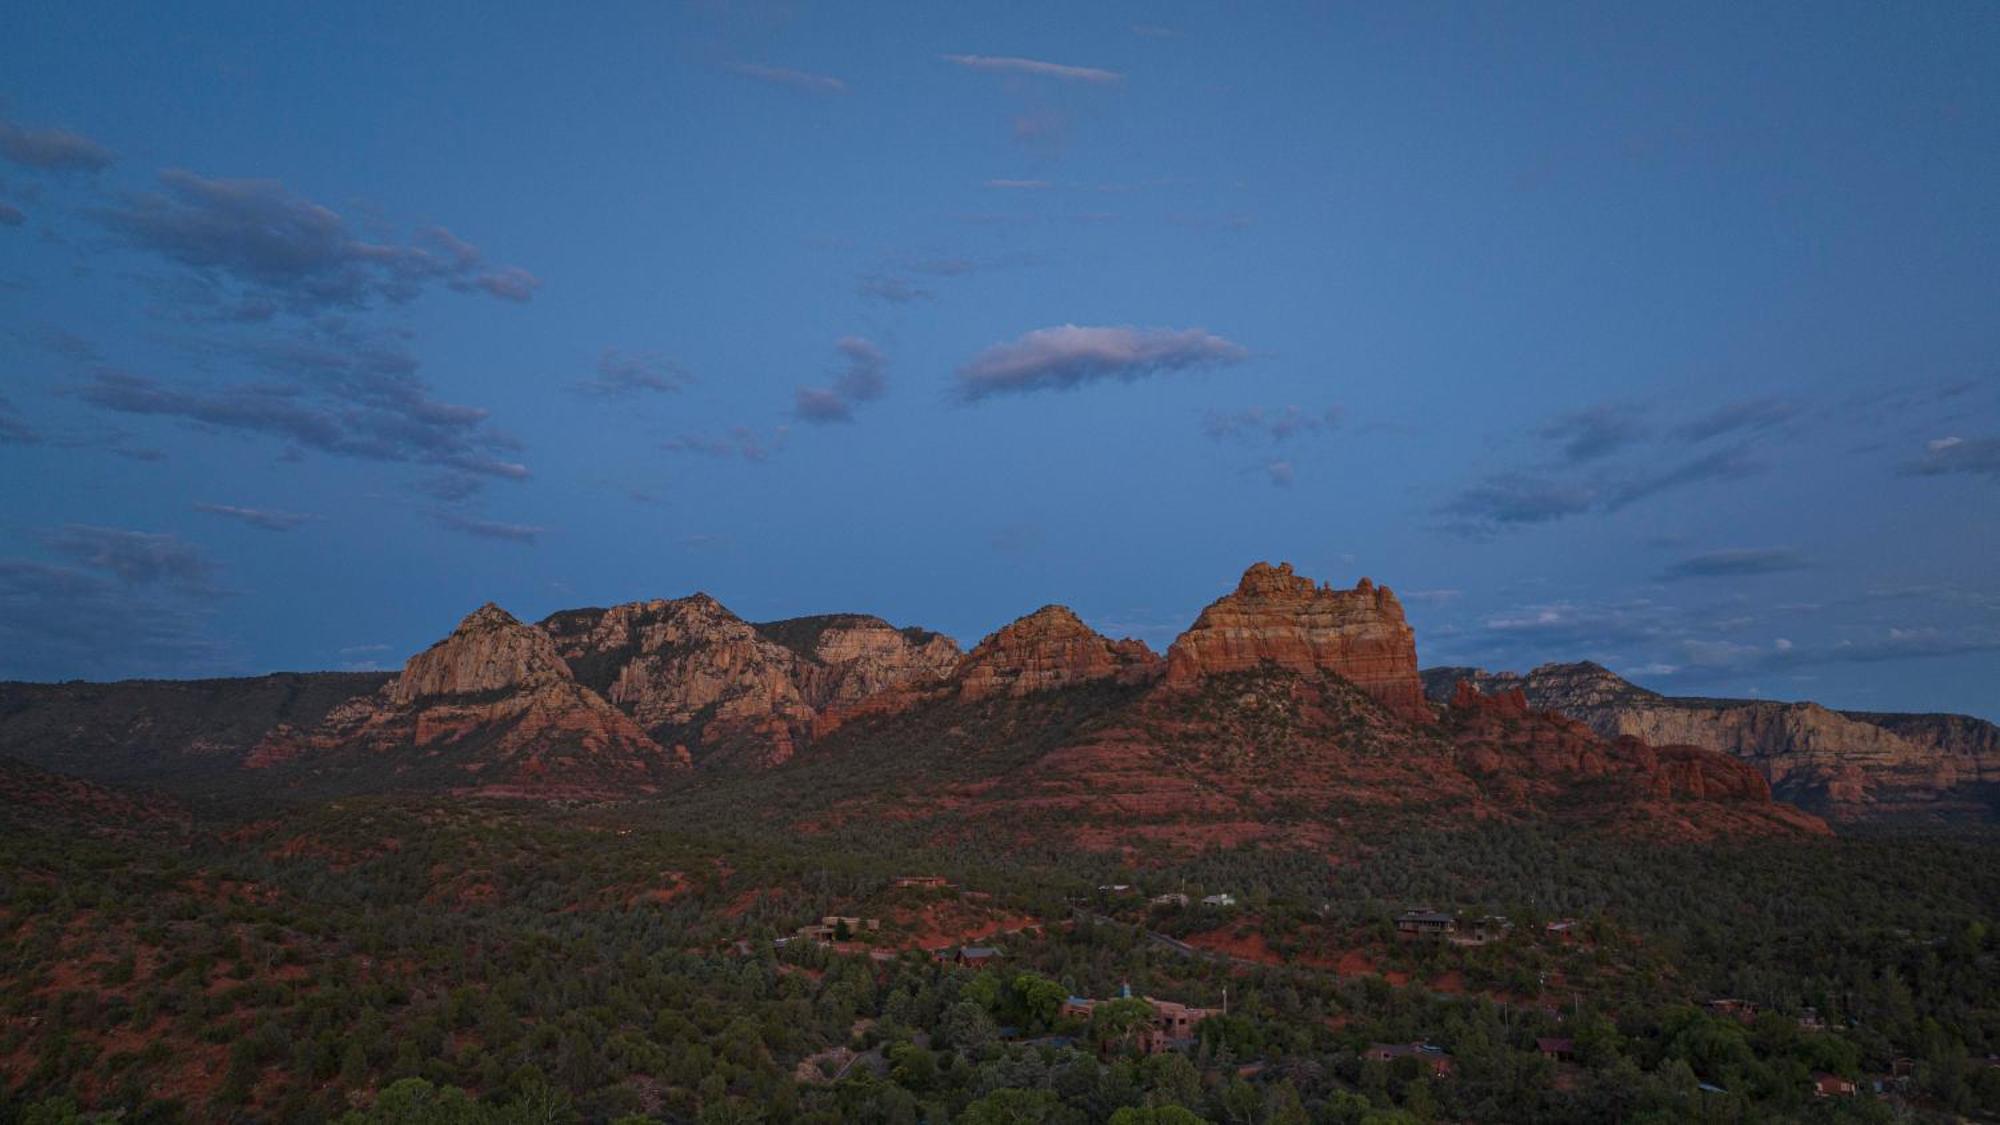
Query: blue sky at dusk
[[1664, 336]]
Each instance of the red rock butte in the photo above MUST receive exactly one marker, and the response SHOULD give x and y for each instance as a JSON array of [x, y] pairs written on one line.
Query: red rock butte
[[1277, 617], [1050, 648]]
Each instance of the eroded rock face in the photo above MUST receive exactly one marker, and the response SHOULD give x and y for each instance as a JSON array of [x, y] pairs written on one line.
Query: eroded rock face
[[1048, 649], [1539, 752], [688, 671], [489, 652], [693, 673], [1848, 766], [1278, 617], [847, 657], [497, 704]]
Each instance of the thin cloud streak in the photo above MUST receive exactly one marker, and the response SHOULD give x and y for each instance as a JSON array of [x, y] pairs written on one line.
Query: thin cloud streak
[[265, 518], [1012, 64], [802, 80], [1070, 355]]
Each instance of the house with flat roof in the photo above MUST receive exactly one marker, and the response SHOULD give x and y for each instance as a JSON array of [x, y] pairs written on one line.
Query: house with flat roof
[[1426, 923]]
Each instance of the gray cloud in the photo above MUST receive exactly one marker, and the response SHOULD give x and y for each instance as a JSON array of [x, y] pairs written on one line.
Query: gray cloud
[[1514, 498], [52, 150], [1279, 424], [135, 557], [1281, 473], [10, 215], [1738, 417], [1734, 463], [1519, 498], [1007, 64], [287, 250], [739, 441], [1071, 355], [1736, 563], [802, 80], [59, 622], [488, 529], [895, 290], [268, 519], [1978, 456], [622, 374], [434, 433], [332, 388], [14, 429], [864, 378], [1595, 432], [821, 404]]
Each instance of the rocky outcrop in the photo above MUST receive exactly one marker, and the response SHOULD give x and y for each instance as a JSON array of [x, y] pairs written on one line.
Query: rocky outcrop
[[1503, 733], [494, 703], [844, 658], [689, 672], [1276, 617], [1050, 648], [1847, 766], [489, 652], [694, 674]]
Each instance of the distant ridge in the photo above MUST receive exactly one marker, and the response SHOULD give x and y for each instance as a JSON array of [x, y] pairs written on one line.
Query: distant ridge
[[1849, 766]]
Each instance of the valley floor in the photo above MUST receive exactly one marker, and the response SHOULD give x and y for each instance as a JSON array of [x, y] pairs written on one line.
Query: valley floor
[[380, 959]]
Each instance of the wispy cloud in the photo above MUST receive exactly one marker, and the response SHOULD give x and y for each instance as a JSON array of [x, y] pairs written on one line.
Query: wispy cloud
[[1277, 424], [1513, 499], [14, 429], [1738, 417], [1009, 64], [140, 558], [52, 150], [266, 518], [1595, 432], [11, 216], [488, 529], [332, 387], [802, 80], [863, 378], [285, 249], [621, 374], [895, 290], [739, 441], [60, 622], [1018, 185], [1979, 456], [1736, 563], [1071, 355], [1281, 473]]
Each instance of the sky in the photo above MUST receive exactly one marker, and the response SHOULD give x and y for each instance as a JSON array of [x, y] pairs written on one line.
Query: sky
[[1658, 335]]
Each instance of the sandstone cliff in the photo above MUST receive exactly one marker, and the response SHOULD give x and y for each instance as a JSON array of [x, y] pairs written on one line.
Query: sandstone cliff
[[1282, 619], [844, 658], [1847, 766], [690, 672], [491, 705], [1537, 753], [1050, 648], [694, 674]]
